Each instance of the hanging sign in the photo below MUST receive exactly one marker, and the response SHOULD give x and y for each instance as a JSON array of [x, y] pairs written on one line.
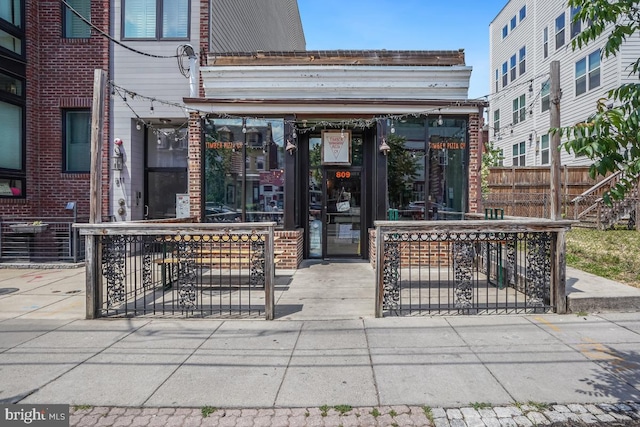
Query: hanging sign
[[336, 147]]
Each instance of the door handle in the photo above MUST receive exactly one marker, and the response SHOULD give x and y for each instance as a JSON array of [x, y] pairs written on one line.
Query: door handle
[[146, 211]]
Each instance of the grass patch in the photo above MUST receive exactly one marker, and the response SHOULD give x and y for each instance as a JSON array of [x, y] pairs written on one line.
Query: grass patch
[[428, 412], [82, 407], [480, 405], [324, 409], [343, 409], [393, 413], [375, 413], [582, 314], [612, 254], [207, 410]]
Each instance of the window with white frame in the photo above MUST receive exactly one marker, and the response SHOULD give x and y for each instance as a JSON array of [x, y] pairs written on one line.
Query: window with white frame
[[519, 109], [496, 122], [576, 25], [560, 31], [522, 60], [588, 73], [501, 157], [513, 23], [544, 150], [519, 154], [505, 74], [77, 140], [523, 12], [72, 26], [497, 80], [545, 96], [512, 67], [545, 42], [505, 31], [155, 19]]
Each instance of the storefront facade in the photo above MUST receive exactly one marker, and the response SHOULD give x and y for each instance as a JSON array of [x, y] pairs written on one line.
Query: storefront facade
[[325, 143]]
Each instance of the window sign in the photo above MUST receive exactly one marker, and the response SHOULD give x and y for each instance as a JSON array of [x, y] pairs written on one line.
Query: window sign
[[336, 147]]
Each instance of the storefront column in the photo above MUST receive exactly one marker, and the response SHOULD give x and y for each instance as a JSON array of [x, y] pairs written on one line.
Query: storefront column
[[196, 167]]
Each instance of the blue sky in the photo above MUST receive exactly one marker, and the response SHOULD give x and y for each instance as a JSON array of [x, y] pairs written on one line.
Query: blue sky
[[405, 25]]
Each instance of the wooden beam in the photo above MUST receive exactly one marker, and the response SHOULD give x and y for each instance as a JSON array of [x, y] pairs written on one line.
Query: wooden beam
[[97, 124]]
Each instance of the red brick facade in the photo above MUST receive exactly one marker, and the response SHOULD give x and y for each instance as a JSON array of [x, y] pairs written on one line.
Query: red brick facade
[[59, 76]]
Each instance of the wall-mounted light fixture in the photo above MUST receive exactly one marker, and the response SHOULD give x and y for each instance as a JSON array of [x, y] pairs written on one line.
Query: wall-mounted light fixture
[[290, 147], [384, 147]]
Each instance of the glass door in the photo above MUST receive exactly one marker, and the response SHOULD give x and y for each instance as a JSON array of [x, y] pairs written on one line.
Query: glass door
[[341, 213]]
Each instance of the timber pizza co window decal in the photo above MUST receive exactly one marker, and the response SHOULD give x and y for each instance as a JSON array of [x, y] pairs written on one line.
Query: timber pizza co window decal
[[336, 147]]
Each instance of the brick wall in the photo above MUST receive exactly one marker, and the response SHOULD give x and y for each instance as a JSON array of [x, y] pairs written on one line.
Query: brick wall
[[434, 254], [59, 75], [290, 243], [195, 164]]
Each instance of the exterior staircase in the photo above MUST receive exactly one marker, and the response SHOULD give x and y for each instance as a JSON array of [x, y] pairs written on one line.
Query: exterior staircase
[[589, 207]]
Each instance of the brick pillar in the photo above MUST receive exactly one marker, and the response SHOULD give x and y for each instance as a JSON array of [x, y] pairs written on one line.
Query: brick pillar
[[195, 166], [474, 162]]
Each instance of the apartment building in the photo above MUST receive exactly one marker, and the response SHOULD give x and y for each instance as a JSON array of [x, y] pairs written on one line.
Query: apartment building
[[525, 37]]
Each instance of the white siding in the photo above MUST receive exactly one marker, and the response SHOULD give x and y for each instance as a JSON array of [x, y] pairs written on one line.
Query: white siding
[[573, 109]]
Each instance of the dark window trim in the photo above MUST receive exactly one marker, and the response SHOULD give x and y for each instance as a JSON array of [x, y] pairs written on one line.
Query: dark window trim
[[63, 10], [65, 167], [158, 35]]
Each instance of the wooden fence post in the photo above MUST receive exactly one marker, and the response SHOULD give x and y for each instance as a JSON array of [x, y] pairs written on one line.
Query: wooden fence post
[[558, 272]]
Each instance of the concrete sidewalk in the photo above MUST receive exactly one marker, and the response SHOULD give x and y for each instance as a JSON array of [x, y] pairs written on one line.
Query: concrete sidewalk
[[290, 368]]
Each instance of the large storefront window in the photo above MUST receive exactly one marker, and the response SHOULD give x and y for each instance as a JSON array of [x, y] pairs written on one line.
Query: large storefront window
[[427, 171], [244, 170]]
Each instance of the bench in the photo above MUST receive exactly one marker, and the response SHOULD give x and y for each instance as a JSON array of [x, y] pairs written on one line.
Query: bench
[[211, 258]]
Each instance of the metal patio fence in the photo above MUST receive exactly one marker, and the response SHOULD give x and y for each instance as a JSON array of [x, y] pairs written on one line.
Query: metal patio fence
[[470, 267], [179, 269], [41, 240]]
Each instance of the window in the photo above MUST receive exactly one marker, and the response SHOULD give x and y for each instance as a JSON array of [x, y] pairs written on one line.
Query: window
[[496, 122], [512, 64], [560, 31], [519, 111], [12, 146], [545, 42], [544, 96], [522, 60], [497, 80], [523, 12], [77, 140], [576, 25], [513, 23], [10, 11], [155, 19], [588, 73], [505, 75], [519, 154], [505, 31], [238, 188], [544, 149], [73, 26], [501, 157]]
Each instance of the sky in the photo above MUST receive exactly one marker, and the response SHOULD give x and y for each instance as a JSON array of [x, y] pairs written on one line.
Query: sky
[[405, 25]]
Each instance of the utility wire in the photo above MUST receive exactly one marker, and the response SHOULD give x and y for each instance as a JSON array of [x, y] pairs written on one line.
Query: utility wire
[[119, 43]]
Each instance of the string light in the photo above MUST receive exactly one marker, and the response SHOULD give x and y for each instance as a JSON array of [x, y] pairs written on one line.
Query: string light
[[307, 126]]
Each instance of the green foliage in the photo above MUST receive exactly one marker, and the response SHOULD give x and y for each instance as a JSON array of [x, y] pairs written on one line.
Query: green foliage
[[375, 413], [207, 410], [480, 405], [491, 156], [611, 136], [343, 409], [402, 170], [428, 412], [324, 409]]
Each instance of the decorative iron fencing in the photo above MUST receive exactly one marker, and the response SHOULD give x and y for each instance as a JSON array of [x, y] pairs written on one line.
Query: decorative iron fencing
[[184, 270], [40, 240], [470, 267]]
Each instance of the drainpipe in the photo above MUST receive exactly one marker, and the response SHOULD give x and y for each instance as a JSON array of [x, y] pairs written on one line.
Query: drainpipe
[[193, 74]]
